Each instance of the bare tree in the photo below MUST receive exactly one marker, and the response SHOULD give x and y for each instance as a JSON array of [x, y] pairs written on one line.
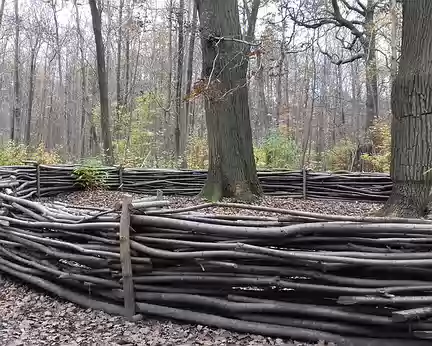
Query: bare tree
[[16, 115], [103, 85], [2, 6], [179, 126], [189, 72], [118, 68], [35, 43], [362, 45]]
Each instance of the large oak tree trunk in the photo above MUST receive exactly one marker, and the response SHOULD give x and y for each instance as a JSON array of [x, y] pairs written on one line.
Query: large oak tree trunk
[[412, 110], [232, 169]]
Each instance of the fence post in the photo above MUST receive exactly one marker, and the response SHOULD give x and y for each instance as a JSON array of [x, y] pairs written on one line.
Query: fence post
[[125, 258], [120, 173], [38, 182], [304, 171]]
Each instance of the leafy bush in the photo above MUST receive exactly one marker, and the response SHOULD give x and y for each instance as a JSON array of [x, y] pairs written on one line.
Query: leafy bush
[[278, 151], [197, 153], [12, 154], [41, 155], [90, 177], [341, 156], [380, 136]]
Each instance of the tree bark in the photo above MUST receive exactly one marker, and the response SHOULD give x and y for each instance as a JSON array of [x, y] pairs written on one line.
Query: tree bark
[[280, 64], [2, 6], [33, 57], [393, 42], [189, 73], [103, 85], [16, 114], [232, 169], [118, 69], [84, 96], [167, 108], [179, 150], [412, 109], [371, 66]]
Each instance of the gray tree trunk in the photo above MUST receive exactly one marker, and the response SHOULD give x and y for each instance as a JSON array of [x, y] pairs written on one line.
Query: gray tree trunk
[[118, 69], [16, 114], [412, 109], [103, 86], [189, 72], [371, 66], [33, 57], [232, 169], [179, 126]]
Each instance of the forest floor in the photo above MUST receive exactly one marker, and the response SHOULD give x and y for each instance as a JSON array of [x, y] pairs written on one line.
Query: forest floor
[[29, 317]]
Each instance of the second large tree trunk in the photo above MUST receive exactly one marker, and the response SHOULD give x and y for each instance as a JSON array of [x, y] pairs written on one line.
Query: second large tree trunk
[[412, 111], [232, 170]]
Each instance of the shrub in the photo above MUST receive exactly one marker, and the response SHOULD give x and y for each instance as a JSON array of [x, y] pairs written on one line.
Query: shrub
[[90, 177], [278, 151], [12, 154], [197, 153], [380, 136], [341, 156], [41, 155]]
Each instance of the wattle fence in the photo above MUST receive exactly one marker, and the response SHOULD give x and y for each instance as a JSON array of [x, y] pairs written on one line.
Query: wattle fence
[[44, 180], [353, 281]]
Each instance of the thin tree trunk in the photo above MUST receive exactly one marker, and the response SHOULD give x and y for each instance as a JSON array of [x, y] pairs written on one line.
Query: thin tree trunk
[[84, 96], [323, 105], [2, 6], [16, 115], [33, 56], [308, 133], [118, 69], [189, 73], [179, 151], [371, 66], [280, 64], [167, 109], [127, 92], [394, 23], [103, 85], [263, 116]]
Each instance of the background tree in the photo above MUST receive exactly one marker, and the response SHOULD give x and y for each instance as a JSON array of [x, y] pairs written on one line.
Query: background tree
[[103, 85], [286, 112]]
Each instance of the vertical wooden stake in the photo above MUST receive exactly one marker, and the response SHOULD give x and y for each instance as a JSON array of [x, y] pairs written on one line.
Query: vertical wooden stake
[[120, 173], [125, 258], [304, 183], [38, 182]]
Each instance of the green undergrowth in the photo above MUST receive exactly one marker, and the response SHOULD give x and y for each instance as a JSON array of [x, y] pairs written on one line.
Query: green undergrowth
[[12, 154], [90, 177]]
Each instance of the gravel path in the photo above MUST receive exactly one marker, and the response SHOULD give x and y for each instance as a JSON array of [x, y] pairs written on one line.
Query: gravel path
[[31, 317]]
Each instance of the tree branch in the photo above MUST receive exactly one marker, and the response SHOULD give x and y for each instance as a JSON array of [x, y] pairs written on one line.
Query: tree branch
[[346, 23], [341, 61], [362, 5], [354, 8]]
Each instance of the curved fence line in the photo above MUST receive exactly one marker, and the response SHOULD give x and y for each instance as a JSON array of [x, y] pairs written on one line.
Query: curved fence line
[[45, 180], [353, 281]]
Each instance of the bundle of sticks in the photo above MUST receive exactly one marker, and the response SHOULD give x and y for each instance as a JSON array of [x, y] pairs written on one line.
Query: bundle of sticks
[[289, 274], [50, 180]]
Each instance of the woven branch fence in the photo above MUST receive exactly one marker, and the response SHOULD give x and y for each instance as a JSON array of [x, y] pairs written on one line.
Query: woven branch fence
[[292, 274], [42, 180]]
